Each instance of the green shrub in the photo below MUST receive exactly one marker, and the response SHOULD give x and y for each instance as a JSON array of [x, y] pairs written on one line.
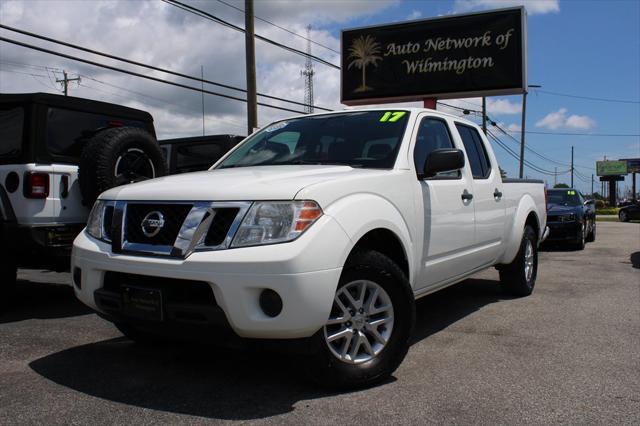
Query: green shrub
[[599, 204]]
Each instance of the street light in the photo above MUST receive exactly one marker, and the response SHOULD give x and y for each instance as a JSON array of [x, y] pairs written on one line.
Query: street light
[[524, 112]]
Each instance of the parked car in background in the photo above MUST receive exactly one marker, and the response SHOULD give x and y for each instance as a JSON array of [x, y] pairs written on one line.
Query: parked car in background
[[571, 218], [630, 212], [57, 154], [323, 229], [198, 153]]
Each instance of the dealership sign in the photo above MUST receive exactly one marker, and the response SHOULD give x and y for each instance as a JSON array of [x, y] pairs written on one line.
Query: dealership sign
[[607, 168], [477, 54], [633, 164]]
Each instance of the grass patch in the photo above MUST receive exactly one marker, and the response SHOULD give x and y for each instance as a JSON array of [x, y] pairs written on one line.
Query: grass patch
[[608, 210], [612, 219]]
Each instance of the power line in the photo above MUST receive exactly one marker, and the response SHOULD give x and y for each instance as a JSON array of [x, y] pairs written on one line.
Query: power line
[[280, 27], [152, 67], [516, 156], [622, 101], [624, 135], [97, 64], [220, 21]]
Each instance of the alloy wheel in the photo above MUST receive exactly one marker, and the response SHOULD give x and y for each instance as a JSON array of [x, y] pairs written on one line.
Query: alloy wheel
[[360, 323]]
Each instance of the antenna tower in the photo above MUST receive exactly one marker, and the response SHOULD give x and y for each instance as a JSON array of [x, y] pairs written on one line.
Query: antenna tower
[[307, 73]]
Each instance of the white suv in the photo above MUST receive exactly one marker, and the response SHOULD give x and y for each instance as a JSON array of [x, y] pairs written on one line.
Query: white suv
[[57, 154]]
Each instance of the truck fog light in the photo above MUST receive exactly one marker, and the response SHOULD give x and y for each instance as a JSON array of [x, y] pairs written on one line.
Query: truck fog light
[[270, 302], [77, 277]]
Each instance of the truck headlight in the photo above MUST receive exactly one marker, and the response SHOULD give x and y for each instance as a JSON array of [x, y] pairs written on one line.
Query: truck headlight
[[99, 222], [269, 222]]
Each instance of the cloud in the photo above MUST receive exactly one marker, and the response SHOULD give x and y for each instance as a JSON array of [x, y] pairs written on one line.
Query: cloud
[[415, 14], [534, 7], [559, 120], [503, 106], [156, 33]]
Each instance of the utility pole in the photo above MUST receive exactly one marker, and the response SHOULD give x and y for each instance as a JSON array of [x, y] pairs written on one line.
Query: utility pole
[[65, 81], [592, 185], [250, 48], [522, 130], [484, 114], [202, 92], [308, 73], [555, 176], [572, 166]]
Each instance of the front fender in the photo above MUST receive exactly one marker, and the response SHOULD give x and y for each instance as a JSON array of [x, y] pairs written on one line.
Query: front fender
[[359, 214], [525, 207]]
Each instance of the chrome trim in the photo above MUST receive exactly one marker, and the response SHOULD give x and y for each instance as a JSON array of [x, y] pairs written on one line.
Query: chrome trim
[[243, 207], [104, 213], [193, 231]]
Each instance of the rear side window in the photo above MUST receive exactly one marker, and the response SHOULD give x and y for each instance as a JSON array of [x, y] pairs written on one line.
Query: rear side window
[[197, 157], [11, 127], [68, 130], [476, 151], [433, 134]]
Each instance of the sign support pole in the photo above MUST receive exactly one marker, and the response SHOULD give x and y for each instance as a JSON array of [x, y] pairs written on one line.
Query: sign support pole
[[250, 55], [430, 103], [484, 114]]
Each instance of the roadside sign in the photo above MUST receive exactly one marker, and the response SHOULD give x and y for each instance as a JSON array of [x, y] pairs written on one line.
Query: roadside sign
[[615, 178], [607, 168], [633, 164], [477, 54]]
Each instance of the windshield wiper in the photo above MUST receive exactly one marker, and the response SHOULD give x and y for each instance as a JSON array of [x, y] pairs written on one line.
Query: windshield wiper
[[321, 163]]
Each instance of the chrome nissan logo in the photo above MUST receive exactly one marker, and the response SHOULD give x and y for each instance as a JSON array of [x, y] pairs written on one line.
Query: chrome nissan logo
[[152, 223]]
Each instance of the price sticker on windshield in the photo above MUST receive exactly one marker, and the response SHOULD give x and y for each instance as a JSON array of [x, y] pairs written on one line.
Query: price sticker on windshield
[[276, 126], [571, 192], [392, 117]]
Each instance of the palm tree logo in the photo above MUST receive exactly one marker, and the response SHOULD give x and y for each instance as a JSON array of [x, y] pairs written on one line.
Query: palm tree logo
[[364, 51]]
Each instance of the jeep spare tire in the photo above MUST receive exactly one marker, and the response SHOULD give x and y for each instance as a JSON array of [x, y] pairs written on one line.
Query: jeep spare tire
[[116, 157]]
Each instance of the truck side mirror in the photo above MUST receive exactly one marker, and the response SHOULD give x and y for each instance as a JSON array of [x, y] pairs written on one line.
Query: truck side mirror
[[443, 160]]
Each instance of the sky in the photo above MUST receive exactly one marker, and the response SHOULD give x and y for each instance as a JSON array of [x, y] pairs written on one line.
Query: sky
[[579, 48]]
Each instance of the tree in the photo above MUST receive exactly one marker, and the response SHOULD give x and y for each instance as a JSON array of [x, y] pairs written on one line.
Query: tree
[[561, 185], [364, 51]]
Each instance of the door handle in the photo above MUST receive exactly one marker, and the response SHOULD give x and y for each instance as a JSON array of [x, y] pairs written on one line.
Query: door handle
[[466, 196], [497, 194]]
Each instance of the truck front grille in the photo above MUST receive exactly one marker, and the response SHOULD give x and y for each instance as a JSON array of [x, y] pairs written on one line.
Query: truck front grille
[[174, 229], [173, 216], [220, 226]]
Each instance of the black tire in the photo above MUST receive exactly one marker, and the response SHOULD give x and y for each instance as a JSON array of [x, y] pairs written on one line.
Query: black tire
[[513, 277], [116, 157], [327, 369], [623, 216], [581, 239], [592, 235]]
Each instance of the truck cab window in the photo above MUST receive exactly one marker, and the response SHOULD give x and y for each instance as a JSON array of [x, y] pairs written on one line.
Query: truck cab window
[[433, 134], [476, 152]]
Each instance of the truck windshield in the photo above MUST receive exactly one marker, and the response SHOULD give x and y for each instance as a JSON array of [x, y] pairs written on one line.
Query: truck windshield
[[566, 197], [369, 139], [11, 126]]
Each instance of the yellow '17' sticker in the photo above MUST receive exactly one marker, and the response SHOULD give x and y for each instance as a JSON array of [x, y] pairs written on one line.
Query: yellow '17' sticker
[[571, 192], [392, 117]]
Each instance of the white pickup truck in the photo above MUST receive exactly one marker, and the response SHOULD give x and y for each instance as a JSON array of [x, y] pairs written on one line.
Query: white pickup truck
[[324, 228]]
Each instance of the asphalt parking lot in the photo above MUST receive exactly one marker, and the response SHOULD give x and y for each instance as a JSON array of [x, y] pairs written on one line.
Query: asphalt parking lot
[[567, 354]]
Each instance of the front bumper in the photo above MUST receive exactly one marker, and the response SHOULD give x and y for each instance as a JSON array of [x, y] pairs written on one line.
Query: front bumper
[[564, 231], [304, 273]]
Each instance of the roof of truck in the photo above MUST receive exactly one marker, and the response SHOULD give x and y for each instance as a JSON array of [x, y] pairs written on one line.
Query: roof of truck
[[79, 104], [389, 108]]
